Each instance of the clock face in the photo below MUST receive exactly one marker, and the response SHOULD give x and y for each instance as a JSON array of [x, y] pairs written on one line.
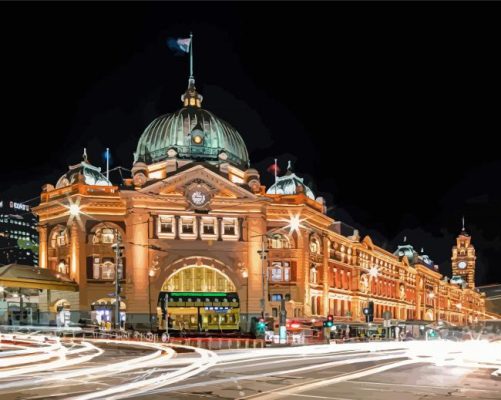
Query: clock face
[[462, 265], [198, 198]]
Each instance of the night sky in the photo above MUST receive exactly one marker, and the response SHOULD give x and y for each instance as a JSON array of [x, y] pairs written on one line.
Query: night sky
[[391, 112]]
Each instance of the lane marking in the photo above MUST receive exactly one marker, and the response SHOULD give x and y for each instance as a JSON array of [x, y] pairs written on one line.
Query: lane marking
[[274, 394]]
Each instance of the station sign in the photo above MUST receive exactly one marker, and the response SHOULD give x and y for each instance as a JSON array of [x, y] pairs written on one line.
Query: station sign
[[217, 300]]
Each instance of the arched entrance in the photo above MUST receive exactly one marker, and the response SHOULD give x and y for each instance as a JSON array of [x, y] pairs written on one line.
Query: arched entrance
[[62, 309], [103, 312], [199, 298]]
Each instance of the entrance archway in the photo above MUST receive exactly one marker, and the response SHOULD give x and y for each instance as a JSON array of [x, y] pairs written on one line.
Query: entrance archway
[[62, 309], [103, 312], [199, 298]]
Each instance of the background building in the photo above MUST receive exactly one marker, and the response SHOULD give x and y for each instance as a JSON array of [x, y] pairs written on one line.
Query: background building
[[18, 234], [207, 247]]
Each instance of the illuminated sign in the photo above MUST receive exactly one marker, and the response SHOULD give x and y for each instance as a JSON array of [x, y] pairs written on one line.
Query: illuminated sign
[[15, 206]]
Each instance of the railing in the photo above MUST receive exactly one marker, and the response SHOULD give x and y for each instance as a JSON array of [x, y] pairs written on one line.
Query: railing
[[79, 188], [220, 343]]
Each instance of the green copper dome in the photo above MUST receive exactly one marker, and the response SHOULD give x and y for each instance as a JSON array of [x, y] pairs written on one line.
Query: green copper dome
[[192, 133]]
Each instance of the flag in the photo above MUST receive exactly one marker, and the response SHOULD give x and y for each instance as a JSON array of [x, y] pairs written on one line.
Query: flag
[[179, 45], [273, 169]]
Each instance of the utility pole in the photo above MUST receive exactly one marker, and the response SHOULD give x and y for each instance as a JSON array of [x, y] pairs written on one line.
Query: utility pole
[[118, 263], [263, 253]]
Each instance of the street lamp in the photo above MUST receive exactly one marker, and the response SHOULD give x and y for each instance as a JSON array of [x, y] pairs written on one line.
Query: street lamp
[[74, 210]]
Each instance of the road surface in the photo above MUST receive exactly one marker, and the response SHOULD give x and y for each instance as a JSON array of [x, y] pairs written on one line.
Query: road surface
[[38, 367]]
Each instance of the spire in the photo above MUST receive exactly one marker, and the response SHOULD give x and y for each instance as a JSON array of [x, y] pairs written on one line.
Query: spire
[[289, 168], [191, 98], [84, 155], [405, 239], [191, 58], [463, 229]]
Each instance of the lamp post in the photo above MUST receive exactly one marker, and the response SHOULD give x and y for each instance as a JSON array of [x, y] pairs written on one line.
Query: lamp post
[[118, 247]]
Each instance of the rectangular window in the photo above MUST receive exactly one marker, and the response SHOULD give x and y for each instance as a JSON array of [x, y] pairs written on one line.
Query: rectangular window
[[209, 228], [107, 271], [96, 271], [61, 239], [187, 227], [230, 227], [108, 235], [166, 225]]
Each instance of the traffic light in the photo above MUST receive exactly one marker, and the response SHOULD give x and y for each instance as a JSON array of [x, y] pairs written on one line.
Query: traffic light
[[261, 325], [369, 312], [329, 322]]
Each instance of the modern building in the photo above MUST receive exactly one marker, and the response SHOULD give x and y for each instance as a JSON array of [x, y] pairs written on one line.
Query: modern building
[[18, 234], [208, 247]]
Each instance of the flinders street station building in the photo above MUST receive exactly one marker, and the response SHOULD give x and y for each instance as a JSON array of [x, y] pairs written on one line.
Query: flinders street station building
[[208, 247]]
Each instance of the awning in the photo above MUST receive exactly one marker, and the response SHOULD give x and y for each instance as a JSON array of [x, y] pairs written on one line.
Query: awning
[[30, 277], [198, 299]]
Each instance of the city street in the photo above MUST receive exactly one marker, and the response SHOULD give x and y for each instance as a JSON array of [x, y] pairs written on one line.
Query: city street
[[35, 368]]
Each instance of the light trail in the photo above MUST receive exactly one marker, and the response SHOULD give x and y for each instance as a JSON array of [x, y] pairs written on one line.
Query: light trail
[[164, 370], [61, 363], [105, 370], [207, 359]]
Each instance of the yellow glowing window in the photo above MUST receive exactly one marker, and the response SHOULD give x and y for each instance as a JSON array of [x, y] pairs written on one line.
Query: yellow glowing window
[[197, 139]]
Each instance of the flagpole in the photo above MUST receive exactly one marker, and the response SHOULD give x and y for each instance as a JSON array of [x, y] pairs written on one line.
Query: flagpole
[[275, 170], [191, 55], [107, 163]]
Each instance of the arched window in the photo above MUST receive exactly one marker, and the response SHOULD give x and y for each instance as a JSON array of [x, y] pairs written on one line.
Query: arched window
[[279, 241], [313, 274], [280, 271], [59, 238], [104, 236], [314, 246], [63, 267]]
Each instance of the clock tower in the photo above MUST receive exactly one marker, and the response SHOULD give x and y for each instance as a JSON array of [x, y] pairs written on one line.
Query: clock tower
[[463, 259]]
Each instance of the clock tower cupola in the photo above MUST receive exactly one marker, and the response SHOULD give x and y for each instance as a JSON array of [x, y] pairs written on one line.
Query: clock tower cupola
[[463, 259]]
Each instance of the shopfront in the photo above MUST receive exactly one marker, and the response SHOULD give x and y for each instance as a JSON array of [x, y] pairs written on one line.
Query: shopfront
[[27, 293], [103, 313], [211, 311], [199, 298]]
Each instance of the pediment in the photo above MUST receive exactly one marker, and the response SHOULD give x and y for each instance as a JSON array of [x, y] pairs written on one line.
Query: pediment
[[215, 184]]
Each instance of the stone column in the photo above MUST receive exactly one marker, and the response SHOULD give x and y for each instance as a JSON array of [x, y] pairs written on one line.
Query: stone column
[[418, 296], [256, 226], [325, 275], [74, 252], [43, 245], [306, 270], [140, 297]]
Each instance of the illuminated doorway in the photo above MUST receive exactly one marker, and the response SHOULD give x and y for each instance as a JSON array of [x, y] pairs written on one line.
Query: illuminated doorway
[[199, 298]]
